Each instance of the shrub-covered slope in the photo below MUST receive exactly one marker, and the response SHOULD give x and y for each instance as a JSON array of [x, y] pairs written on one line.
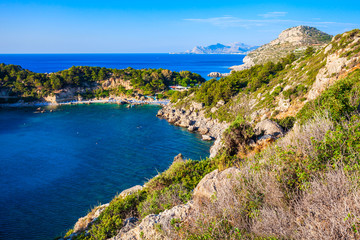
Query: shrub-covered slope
[[298, 179]]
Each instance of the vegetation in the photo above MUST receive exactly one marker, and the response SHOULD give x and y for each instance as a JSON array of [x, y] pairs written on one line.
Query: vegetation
[[29, 86], [303, 186]]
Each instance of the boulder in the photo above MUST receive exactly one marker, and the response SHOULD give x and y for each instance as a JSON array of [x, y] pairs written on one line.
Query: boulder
[[197, 105], [268, 127], [203, 130], [220, 103], [212, 185], [192, 128], [130, 191], [207, 138]]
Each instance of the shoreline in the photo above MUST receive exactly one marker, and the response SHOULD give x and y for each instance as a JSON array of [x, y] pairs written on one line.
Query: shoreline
[[91, 101]]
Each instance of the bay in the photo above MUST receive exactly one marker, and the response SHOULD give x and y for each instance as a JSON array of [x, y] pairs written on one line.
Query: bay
[[56, 166]]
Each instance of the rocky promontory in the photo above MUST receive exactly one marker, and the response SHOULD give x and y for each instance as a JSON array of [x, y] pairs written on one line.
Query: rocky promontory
[[194, 120]]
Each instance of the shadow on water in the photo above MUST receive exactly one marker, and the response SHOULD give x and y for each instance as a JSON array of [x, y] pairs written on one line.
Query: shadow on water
[[13, 119]]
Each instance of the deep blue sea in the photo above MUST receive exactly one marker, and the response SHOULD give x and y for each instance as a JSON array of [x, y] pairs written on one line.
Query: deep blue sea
[[56, 166], [202, 64]]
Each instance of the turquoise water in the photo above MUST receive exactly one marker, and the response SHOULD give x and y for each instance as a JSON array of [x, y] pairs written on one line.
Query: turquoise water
[[56, 166]]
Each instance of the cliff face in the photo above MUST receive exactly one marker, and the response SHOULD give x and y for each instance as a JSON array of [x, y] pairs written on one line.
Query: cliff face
[[290, 40]]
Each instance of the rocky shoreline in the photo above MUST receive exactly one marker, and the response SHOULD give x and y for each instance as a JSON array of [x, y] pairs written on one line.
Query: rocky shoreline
[[194, 120]]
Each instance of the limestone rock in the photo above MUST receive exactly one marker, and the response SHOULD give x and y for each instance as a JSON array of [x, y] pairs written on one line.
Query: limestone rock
[[192, 128], [220, 103], [203, 130], [287, 42], [130, 191], [268, 127], [85, 222], [179, 158], [150, 225], [206, 138], [210, 186], [197, 105]]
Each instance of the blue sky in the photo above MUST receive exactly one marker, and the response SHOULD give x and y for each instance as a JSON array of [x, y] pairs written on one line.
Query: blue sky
[[136, 26]]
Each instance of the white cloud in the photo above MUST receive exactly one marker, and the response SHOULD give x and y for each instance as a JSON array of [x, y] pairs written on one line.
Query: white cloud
[[230, 21], [273, 14]]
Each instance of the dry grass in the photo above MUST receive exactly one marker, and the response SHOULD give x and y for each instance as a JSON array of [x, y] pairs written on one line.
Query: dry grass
[[329, 209], [301, 137]]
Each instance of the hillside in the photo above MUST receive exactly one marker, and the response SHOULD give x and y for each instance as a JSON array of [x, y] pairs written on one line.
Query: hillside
[[17, 84], [292, 40], [234, 48], [285, 163]]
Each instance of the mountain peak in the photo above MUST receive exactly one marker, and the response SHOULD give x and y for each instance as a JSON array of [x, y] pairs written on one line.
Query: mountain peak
[[291, 40], [302, 35]]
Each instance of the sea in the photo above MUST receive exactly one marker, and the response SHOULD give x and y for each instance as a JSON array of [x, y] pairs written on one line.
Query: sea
[[56, 166], [202, 64]]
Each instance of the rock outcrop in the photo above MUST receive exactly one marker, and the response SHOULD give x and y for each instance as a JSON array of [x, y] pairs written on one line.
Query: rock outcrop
[[218, 75], [213, 186], [194, 119], [290, 40], [338, 64], [84, 223], [268, 127]]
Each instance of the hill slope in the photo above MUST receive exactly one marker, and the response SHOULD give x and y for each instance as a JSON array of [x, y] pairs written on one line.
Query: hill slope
[[286, 166], [294, 39]]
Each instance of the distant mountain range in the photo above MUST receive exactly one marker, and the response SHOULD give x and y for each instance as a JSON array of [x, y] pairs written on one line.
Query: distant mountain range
[[233, 48]]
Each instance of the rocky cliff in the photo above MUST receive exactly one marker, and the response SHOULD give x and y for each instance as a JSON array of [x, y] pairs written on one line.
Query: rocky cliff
[[194, 120], [294, 39]]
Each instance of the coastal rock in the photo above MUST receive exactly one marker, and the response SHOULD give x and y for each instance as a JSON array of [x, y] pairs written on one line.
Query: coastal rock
[[206, 138], [203, 130], [192, 128], [218, 75], [130, 191], [216, 147], [179, 158], [85, 222], [197, 105], [268, 127], [194, 119]]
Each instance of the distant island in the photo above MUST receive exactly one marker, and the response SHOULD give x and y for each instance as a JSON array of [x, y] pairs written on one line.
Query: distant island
[[233, 48]]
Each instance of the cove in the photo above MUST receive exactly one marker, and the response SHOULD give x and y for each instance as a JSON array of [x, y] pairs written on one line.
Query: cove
[[56, 166]]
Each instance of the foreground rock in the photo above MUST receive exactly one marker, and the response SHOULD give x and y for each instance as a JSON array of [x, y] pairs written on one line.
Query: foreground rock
[[161, 226]]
